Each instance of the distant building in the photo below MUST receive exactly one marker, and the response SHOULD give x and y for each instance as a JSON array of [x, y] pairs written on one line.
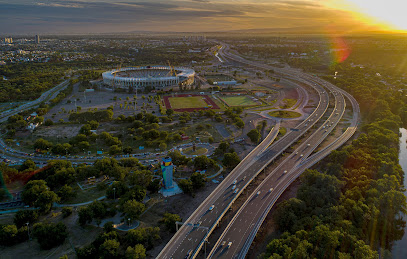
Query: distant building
[[8, 40], [37, 39]]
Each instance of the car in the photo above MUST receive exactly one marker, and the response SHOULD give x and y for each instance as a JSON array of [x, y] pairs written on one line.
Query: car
[[211, 207], [233, 187], [223, 243], [308, 144], [258, 193], [235, 181], [188, 254], [244, 177], [285, 171], [296, 153], [271, 189], [229, 244], [301, 155], [237, 189]]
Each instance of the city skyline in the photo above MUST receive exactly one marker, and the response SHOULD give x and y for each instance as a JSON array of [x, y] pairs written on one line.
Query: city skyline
[[101, 16]]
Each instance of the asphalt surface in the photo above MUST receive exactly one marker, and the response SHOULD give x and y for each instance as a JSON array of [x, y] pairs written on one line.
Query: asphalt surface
[[236, 239], [191, 236]]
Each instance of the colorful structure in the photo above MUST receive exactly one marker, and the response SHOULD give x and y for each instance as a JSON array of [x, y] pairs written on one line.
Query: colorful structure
[[167, 169]]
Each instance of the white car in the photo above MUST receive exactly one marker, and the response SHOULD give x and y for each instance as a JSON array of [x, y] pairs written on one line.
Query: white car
[[233, 187], [271, 189], [229, 244], [258, 193], [285, 171], [235, 181], [211, 207]]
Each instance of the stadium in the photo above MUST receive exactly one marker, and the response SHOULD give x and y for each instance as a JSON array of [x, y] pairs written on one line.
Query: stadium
[[148, 76]]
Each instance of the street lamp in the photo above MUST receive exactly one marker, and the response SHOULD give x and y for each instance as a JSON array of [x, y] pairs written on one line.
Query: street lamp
[[114, 193], [129, 221], [28, 230]]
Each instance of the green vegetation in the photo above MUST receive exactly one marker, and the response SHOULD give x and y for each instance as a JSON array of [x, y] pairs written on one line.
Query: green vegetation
[[254, 135], [285, 114], [238, 100], [198, 151], [187, 102], [288, 103]]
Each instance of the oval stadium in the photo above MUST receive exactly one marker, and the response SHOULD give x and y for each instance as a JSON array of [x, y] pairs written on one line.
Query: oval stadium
[[148, 76]]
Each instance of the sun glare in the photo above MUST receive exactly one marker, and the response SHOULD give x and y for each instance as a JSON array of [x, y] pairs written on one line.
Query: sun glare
[[389, 13]]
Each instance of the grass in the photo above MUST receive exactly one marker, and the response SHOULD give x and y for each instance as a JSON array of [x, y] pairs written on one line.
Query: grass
[[282, 131], [288, 103], [86, 195], [285, 114], [240, 100], [187, 102], [199, 151]]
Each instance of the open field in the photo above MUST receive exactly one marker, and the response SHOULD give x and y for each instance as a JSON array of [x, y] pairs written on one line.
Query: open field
[[240, 100], [285, 114], [199, 151], [187, 102], [219, 78], [288, 103]]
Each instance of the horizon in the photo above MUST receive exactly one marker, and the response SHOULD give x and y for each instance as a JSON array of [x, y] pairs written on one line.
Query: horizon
[[59, 17]]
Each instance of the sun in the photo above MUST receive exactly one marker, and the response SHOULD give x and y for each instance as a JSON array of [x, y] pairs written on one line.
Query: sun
[[388, 13]]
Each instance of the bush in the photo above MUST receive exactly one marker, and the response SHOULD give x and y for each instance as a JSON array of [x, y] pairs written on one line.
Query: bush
[[50, 235], [66, 211]]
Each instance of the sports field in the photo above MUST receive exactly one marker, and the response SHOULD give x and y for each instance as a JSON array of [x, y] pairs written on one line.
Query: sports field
[[240, 100], [187, 102]]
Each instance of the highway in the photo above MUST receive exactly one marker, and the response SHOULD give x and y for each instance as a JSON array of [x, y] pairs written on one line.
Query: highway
[[236, 239], [191, 236], [50, 94]]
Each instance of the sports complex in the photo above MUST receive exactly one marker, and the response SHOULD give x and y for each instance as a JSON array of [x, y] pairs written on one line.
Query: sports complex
[[189, 102], [148, 76]]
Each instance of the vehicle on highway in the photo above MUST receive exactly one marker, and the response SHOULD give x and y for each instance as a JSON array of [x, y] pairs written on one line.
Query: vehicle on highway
[[271, 189], [233, 187], [211, 207], [235, 181], [301, 155], [223, 243], [188, 254], [229, 244], [237, 189], [285, 171], [258, 193], [244, 178]]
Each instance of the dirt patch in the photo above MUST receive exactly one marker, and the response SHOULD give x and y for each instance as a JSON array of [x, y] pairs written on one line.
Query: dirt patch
[[63, 131]]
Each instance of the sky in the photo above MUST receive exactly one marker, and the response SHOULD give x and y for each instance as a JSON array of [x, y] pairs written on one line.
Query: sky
[[109, 16]]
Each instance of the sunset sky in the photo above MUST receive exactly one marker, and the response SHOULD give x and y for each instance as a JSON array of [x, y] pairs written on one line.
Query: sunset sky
[[103, 16]]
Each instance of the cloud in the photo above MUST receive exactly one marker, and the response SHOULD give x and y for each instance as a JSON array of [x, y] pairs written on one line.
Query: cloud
[[160, 15]]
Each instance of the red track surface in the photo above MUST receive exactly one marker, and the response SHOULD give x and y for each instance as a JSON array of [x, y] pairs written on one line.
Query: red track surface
[[206, 98]]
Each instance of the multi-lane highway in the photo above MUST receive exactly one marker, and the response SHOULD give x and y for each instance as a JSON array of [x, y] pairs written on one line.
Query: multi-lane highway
[[236, 239], [188, 241]]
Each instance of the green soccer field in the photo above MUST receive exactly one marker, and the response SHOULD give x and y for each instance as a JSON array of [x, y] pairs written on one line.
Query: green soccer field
[[241, 100], [187, 102]]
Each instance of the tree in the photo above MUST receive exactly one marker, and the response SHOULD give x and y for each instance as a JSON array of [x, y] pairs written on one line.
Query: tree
[[231, 160], [110, 248], [163, 146], [198, 180], [169, 221], [48, 122], [154, 186], [254, 135], [114, 150], [85, 216], [66, 211], [138, 252], [66, 192], [133, 209], [23, 216], [50, 235], [37, 194], [186, 186], [169, 112], [128, 150], [203, 162], [42, 144], [28, 164]]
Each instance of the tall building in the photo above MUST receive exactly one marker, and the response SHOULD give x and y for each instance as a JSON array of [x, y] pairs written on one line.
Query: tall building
[[167, 169], [37, 39], [8, 40]]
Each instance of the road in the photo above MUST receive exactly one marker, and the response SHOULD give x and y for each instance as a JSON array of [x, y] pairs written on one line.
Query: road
[[51, 93], [190, 237], [244, 226]]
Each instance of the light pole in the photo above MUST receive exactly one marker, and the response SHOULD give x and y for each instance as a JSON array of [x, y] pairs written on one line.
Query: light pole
[[28, 230], [129, 222], [114, 193]]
